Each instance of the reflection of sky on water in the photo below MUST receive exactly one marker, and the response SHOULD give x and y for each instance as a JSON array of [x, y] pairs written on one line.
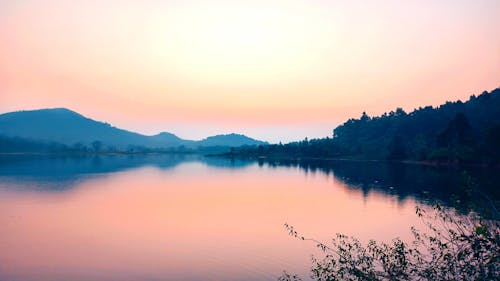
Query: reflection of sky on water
[[194, 221], [185, 217]]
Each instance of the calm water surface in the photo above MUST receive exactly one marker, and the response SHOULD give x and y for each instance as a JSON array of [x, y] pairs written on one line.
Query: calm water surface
[[189, 218]]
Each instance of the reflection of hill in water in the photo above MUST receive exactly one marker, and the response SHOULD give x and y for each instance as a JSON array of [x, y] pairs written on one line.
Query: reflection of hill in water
[[61, 172], [407, 180], [400, 180]]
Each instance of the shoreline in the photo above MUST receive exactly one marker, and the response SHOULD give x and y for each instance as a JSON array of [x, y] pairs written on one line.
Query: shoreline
[[95, 153], [408, 162], [454, 164]]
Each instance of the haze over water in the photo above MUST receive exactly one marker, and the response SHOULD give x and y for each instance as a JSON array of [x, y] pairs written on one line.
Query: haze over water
[[185, 218]]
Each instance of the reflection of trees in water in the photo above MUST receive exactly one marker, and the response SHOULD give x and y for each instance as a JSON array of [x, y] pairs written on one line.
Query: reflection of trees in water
[[476, 188], [449, 185]]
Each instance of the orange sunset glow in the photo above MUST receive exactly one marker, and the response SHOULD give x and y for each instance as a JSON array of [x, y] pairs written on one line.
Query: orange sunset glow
[[235, 140], [276, 70]]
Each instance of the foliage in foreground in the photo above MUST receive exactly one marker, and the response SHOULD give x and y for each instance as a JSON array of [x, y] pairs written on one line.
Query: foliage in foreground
[[454, 247]]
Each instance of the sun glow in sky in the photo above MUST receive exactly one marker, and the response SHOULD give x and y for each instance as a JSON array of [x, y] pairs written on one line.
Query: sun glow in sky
[[275, 70]]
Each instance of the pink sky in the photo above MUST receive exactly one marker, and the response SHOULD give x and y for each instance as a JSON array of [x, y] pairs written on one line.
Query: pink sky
[[275, 70]]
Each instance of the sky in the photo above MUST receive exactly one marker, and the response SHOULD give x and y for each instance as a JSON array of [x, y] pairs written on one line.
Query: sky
[[274, 70]]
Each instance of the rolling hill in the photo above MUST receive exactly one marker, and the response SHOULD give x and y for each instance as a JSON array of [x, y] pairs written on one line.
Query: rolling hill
[[63, 126]]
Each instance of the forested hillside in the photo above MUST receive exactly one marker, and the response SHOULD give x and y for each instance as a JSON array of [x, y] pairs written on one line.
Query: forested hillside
[[464, 132]]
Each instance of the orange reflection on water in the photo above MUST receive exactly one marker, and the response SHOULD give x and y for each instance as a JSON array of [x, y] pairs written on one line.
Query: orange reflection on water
[[190, 223]]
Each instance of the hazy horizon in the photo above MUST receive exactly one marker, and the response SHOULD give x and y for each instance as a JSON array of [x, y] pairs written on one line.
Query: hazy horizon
[[272, 70], [108, 197], [286, 133]]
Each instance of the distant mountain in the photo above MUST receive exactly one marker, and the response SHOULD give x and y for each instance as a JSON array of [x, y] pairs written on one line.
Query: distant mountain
[[63, 126], [168, 139], [228, 140]]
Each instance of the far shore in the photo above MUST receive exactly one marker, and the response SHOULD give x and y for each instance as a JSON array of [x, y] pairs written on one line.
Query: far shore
[[454, 164], [99, 153], [257, 158]]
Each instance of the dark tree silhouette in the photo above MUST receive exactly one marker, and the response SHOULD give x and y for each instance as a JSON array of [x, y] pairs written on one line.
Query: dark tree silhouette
[[96, 145], [397, 149], [456, 132]]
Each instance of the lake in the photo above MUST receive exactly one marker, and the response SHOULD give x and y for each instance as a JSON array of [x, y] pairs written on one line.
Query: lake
[[187, 217]]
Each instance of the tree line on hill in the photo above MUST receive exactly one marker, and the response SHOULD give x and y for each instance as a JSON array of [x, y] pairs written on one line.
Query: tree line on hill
[[22, 145], [60, 130], [455, 132]]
